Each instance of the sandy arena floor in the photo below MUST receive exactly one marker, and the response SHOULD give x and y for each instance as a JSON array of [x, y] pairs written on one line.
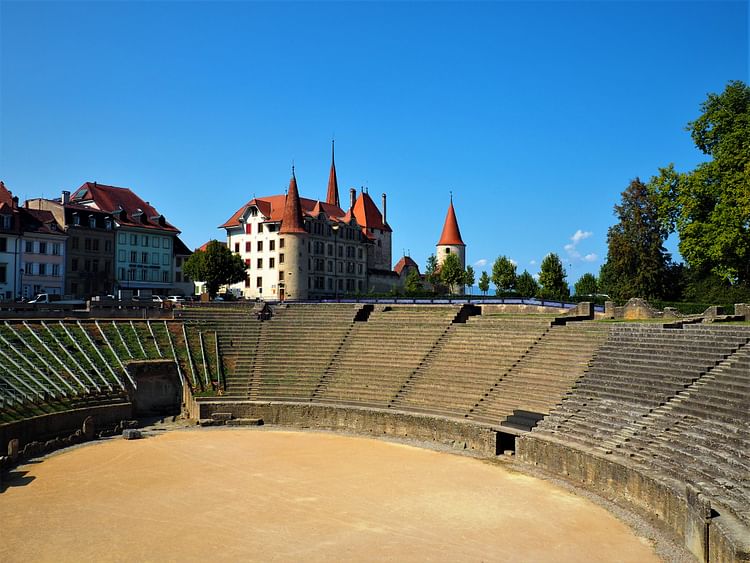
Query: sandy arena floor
[[242, 495]]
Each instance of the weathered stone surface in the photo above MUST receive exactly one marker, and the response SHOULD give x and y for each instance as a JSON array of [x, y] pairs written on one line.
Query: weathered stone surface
[[131, 434], [221, 416], [245, 422], [88, 428], [13, 449]]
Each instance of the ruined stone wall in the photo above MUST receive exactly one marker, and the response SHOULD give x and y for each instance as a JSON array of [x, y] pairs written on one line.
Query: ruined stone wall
[[452, 433], [158, 388], [680, 508]]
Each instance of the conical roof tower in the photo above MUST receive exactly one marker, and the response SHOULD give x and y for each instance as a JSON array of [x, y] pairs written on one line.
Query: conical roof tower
[[451, 235], [332, 197], [291, 221]]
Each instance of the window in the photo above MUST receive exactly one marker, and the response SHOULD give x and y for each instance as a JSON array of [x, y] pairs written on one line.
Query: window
[[108, 224], [92, 222], [359, 253], [76, 219], [87, 244], [165, 243], [74, 264], [248, 230], [74, 243], [247, 262], [121, 256], [447, 250], [5, 221], [95, 245], [29, 247], [131, 274], [56, 249], [271, 263], [237, 247], [87, 265], [133, 256], [144, 257], [154, 242], [165, 258], [155, 258], [247, 281], [3, 244], [42, 248], [95, 265], [271, 245], [74, 288], [165, 276], [260, 246], [260, 263], [3, 273], [56, 270], [122, 238], [107, 266], [281, 258], [144, 274], [253, 212], [281, 243], [359, 269], [259, 282], [42, 269], [122, 274], [107, 246], [271, 228], [248, 246], [144, 240], [281, 275], [133, 240], [330, 250]]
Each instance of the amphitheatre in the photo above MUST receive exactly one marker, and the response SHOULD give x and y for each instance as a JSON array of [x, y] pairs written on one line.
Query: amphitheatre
[[582, 436]]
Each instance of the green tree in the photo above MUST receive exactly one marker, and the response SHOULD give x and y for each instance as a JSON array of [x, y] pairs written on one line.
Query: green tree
[[504, 275], [526, 285], [413, 283], [431, 273], [637, 263], [216, 266], [451, 272], [484, 283], [470, 277], [587, 285], [710, 205], [552, 278]]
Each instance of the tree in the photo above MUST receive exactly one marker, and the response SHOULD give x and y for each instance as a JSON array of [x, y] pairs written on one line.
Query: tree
[[709, 206], [526, 285], [637, 263], [504, 274], [451, 272], [587, 285], [469, 277], [431, 273], [484, 283], [216, 266], [552, 278], [413, 283]]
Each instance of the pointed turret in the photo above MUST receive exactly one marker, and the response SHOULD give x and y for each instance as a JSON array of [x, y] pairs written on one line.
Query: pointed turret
[[332, 198], [291, 221], [451, 235]]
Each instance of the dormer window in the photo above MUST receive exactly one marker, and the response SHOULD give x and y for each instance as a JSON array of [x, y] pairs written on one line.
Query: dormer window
[[5, 221], [92, 222], [253, 212], [76, 219], [108, 224]]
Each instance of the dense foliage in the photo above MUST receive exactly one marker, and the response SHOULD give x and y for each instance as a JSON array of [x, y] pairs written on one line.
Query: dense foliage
[[526, 285], [216, 266], [504, 275], [484, 283], [452, 273], [552, 278], [587, 285]]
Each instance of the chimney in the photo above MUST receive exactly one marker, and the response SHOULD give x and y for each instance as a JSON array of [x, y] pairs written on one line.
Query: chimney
[[65, 197], [352, 197], [384, 221], [15, 202]]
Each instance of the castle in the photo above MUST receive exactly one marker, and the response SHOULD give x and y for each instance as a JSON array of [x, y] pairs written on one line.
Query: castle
[[299, 248]]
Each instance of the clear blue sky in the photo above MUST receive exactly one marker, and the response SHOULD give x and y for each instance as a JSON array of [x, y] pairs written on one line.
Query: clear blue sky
[[535, 114]]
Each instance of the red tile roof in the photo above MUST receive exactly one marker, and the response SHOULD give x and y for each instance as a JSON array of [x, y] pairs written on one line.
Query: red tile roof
[[5, 196], [406, 261], [272, 208], [451, 234], [367, 213], [39, 222], [111, 199], [291, 220]]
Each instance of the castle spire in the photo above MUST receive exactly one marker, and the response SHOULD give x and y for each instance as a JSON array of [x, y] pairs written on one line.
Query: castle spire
[[291, 221], [451, 235], [332, 198]]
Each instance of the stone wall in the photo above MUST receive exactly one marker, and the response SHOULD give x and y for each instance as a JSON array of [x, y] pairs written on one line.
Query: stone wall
[[49, 426], [518, 309], [452, 433], [680, 508]]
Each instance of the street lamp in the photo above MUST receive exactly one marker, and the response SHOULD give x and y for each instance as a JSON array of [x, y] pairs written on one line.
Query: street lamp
[[335, 228]]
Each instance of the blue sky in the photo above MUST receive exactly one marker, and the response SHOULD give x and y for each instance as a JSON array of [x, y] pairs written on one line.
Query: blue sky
[[535, 114]]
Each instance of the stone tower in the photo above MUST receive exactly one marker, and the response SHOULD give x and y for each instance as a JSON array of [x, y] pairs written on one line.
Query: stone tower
[[450, 240], [293, 240]]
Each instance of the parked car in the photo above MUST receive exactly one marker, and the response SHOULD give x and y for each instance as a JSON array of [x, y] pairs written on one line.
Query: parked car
[[157, 299], [176, 299]]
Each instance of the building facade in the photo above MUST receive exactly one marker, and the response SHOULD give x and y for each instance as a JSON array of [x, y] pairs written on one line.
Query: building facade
[[10, 245], [42, 254], [89, 255], [300, 248], [144, 242]]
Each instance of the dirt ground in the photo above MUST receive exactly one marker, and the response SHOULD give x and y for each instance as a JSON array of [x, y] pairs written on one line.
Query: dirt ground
[[248, 495]]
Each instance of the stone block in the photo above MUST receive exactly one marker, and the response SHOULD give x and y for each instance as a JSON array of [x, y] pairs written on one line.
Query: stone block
[[13, 449], [224, 416], [131, 434], [245, 422], [89, 428]]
